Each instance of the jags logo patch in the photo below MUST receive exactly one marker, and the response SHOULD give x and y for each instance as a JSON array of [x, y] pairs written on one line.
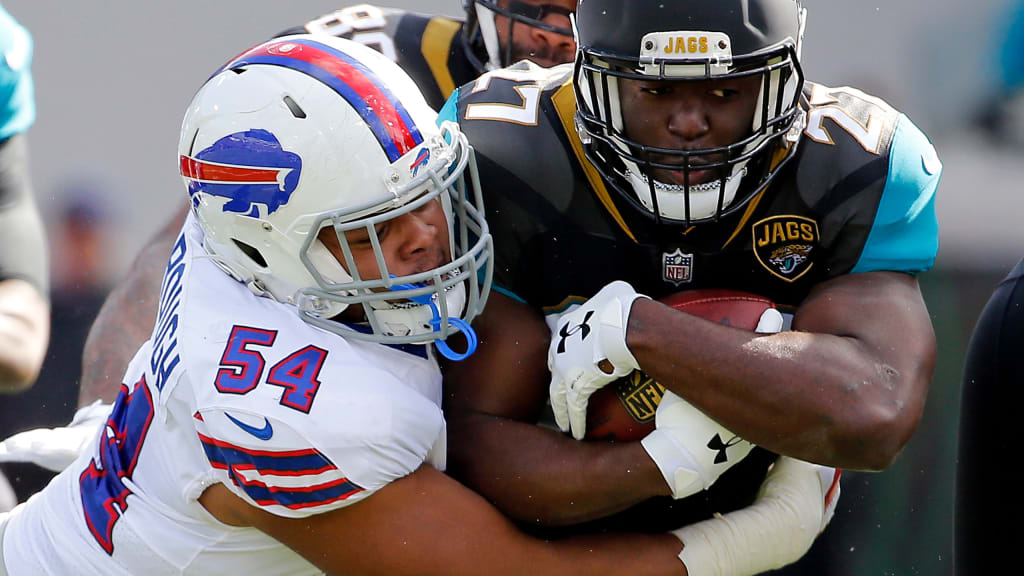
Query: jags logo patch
[[640, 395], [785, 245]]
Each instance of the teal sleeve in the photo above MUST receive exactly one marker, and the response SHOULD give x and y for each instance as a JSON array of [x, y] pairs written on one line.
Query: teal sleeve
[[905, 234], [450, 110], [17, 95]]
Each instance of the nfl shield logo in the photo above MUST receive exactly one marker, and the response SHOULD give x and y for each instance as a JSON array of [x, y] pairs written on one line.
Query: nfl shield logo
[[677, 267]]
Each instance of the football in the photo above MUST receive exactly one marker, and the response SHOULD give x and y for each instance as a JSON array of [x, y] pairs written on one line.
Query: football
[[624, 410]]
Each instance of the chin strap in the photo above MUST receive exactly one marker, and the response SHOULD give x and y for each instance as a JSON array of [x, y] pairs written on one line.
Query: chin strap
[[435, 321]]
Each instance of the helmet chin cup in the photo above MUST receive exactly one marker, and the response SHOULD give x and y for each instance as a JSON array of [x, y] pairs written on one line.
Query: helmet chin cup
[[671, 200]]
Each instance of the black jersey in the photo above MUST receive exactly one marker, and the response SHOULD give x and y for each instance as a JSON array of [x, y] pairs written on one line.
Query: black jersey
[[429, 48], [858, 196], [990, 396]]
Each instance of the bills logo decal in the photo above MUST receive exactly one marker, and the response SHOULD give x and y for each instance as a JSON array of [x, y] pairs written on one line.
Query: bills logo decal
[[247, 168]]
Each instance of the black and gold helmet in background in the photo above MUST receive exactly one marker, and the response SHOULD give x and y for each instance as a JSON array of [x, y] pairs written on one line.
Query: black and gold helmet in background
[[480, 32]]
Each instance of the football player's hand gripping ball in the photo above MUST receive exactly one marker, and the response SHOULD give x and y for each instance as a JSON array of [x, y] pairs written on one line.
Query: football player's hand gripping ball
[[580, 341], [690, 449]]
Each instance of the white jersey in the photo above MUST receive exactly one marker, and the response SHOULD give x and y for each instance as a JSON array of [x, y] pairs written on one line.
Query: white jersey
[[235, 389]]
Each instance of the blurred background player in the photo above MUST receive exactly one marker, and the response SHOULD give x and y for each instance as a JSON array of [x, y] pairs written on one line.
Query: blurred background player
[[439, 53], [1000, 114], [24, 281], [80, 241], [685, 150], [990, 397], [24, 316], [292, 369]]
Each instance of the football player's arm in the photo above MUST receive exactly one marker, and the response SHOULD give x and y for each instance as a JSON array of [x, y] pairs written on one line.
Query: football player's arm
[[126, 318], [426, 524], [845, 387], [24, 281], [533, 474], [24, 334]]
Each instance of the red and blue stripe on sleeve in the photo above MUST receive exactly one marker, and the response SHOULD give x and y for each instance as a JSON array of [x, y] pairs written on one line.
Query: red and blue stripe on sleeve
[[294, 479]]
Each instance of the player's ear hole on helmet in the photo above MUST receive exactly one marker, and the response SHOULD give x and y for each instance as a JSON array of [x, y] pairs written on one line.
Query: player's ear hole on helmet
[[252, 253], [294, 107]]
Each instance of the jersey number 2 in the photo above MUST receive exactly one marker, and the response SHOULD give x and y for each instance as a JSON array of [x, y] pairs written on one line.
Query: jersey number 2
[[826, 106], [525, 113]]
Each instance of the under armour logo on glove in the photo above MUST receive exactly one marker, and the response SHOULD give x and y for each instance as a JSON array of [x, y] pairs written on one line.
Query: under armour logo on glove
[[580, 366], [566, 331], [717, 445], [677, 446]]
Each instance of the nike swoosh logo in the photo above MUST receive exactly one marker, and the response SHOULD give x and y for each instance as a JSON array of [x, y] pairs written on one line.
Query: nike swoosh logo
[[264, 433]]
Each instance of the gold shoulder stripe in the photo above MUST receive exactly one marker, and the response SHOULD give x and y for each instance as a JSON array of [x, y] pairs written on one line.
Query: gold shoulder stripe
[[780, 155], [565, 104], [746, 215], [564, 305], [435, 47]]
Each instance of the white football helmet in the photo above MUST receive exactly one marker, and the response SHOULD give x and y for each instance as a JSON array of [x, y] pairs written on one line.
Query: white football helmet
[[307, 132]]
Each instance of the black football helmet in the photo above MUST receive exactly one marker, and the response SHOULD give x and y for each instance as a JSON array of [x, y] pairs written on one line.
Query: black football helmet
[[689, 41], [480, 32]]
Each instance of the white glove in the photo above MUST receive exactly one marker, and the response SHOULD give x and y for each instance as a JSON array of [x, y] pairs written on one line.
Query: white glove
[[580, 340], [796, 501], [690, 449], [56, 448], [770, 322]]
